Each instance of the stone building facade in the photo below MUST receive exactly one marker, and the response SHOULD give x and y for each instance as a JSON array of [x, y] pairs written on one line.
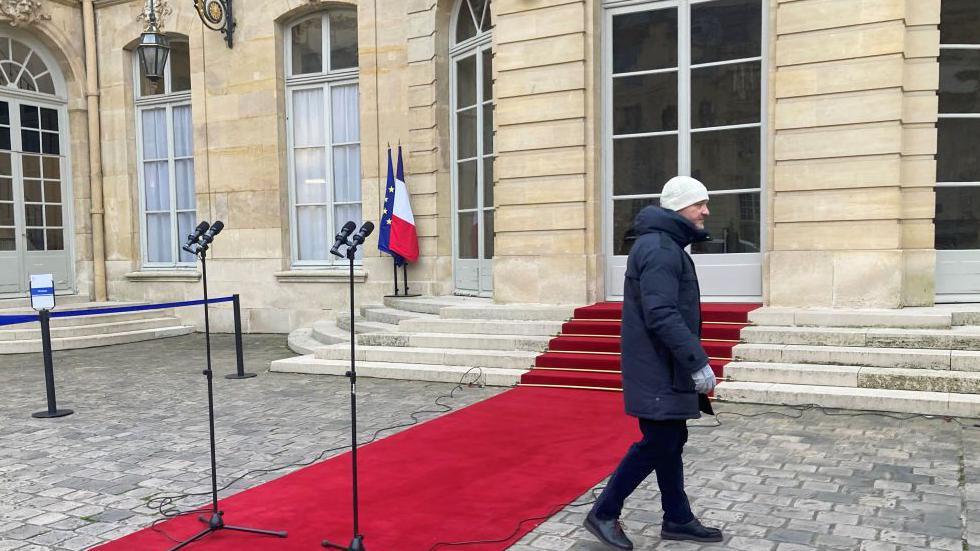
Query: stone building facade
[[836, 138]]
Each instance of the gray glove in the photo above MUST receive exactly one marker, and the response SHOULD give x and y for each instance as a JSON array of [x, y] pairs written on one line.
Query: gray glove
[[704, 380]]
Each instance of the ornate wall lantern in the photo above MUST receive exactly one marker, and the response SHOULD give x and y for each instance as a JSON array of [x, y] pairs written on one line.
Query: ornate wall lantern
[[217, 16], [154, 47]]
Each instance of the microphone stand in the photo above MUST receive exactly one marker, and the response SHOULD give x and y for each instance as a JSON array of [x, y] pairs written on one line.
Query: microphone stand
[[215, 522], [357, 542]]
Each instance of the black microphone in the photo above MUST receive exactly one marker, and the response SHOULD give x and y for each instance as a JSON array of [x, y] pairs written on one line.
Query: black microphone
[[211, 233], [194, 237], [362, 234], [341, 238]]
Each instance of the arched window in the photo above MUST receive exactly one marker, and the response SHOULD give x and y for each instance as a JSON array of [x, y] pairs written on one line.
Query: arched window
[[324, 131], [168, 200], [472, 128], [22, 68]]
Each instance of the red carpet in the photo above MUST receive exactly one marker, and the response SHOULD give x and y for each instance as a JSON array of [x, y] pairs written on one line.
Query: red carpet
[[471, 475], [586, 353]]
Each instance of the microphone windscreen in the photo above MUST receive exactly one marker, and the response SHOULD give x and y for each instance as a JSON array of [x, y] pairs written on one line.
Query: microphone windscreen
[[367, 228], [217, 227], [202, 227], [348, 227]]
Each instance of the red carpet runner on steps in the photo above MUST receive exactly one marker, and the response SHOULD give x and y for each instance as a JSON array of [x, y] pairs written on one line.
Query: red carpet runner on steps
[[586, 353], [474, 474]]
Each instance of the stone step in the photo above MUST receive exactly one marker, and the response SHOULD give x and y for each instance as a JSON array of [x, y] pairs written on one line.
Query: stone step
[[866, 399], [327, 332], [908, 318], [25, 302], [33, 331], [467, 342], [431, 356], [481, 327], [90, 341], [432, 305], [301, 341], [408, 372], [363, 326], [518, 312], [912, 358], [392, 316], [891, 378], [955, 338]]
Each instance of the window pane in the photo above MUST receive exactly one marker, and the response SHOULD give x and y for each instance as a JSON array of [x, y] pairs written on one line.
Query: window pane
[[959, 22], [6, 214], [465, 28], [148, 88], [50, 143], [52, 215], [56, 239], [344, 114], [51, 168], [644, 40], [33, 215], [466, 82], [29, 116], [723, 95], [646, 103], [726, 159], [488, 128], [956, 156], [957, 218], [35, 239], [488, 181], [312, 233], [5, 139], [30, 141], [184, 176], [6, 192], [185, 226], [307, 46], [7, 240], [31, 165], [159, 241], [52, 192], [343, 39], [180, 67], [959, 81], [183, 131], [311, 177], [33, 191], [487, 75], [642, 165], [466, 185], [308, 119], [347, 173], [4, 113], [733, 224], [45, 84], [155, 134], [469, 235], [49, 119], [488, 234], [726, 29], [623, 214], [466, 134], [156, 186]]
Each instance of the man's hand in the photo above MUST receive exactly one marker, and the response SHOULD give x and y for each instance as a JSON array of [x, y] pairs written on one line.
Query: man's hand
[[704, 380]]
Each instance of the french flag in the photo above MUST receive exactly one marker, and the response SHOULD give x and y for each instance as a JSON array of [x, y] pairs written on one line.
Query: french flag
[[398, 237]]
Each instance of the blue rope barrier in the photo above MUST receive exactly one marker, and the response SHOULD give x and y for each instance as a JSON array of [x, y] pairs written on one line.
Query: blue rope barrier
[[13, 320]]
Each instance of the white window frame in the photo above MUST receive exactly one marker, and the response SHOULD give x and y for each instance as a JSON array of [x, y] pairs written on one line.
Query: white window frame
[[167, 100], [684, 67], [326, 81]]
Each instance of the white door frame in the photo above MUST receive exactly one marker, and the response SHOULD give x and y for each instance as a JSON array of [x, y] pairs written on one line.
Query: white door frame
[[745, 266]]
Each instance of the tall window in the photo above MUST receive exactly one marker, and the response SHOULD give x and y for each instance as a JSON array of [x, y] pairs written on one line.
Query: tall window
[[684, 97], [324, 131], [168, 204], [958, 165]]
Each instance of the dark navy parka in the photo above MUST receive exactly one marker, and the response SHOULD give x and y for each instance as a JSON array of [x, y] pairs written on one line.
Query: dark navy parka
[[661, 330]]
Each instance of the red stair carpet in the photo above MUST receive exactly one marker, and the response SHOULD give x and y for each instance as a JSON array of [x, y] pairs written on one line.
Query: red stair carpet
[[474, 474], [586, 353]]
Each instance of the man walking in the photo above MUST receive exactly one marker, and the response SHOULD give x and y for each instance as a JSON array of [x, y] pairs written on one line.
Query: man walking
[[666, 376]]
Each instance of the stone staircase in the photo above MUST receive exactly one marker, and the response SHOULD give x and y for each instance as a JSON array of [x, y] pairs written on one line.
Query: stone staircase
[[86, 331], [442, 339], [915, 360]]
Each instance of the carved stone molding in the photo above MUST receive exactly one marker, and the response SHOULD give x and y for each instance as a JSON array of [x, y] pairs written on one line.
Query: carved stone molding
[[22, 12], [163, 10]]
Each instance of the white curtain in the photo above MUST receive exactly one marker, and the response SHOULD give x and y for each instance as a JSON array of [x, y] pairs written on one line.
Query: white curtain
[[168, 204], [309, 161]]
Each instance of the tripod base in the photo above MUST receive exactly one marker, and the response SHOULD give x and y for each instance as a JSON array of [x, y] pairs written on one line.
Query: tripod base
[[50, 414], [215, 522], [242, 376], [356, 544]]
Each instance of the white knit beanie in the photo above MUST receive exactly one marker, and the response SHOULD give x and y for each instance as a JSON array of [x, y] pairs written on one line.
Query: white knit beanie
[[682, 191]]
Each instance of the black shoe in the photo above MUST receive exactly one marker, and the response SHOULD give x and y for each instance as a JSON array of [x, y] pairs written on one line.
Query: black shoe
[[691, 531], [609, 532]]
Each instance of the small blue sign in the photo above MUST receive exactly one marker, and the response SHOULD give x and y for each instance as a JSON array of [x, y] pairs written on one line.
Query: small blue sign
[[42, 291]]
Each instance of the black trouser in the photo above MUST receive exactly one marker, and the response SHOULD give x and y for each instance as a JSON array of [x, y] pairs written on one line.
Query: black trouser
[[660, 450]]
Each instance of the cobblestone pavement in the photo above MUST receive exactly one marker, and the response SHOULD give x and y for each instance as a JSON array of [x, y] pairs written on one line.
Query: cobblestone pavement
[[772, 482]]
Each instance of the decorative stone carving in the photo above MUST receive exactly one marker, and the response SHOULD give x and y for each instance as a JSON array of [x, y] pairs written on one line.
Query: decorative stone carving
[[163, 10], [22, 12]]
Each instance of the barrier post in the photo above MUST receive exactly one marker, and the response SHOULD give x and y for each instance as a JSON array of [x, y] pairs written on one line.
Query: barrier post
[[239, 349], [44, 316]]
